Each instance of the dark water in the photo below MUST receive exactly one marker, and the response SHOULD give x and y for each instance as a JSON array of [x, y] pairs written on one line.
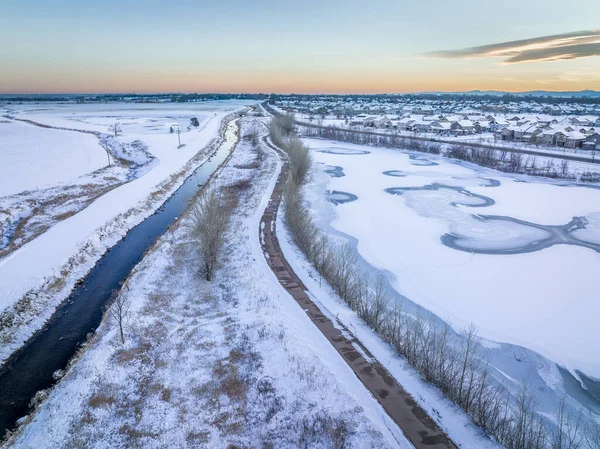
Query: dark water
[[337, 197], [31, 368], [335, 171]]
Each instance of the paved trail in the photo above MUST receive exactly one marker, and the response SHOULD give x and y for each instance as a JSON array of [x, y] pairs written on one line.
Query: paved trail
[[416, 424]]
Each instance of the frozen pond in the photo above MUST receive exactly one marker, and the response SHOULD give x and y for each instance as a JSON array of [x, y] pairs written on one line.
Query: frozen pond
[[471, 245]]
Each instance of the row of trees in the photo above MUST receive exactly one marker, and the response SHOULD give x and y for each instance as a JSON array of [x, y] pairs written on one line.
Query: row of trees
[[451, 362]]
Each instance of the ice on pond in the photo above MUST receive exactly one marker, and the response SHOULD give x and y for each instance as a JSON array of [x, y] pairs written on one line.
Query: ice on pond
[[343, 151], [489, 234], [591, 232], [418, 160], [336, 197], [396, 173], [335, 171]]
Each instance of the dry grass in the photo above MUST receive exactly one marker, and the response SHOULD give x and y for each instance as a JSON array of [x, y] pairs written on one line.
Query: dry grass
[[101, 399]]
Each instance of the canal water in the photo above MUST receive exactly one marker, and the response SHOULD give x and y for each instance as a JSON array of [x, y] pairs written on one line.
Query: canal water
[[31, 368]]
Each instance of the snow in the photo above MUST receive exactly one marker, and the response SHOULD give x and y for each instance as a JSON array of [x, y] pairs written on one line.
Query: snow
[[91, 231], [34, 157], [448, 415], [543, 300], [191, 334]]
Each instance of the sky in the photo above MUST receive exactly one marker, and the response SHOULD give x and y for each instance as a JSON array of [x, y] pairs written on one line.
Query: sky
[[312, 46]]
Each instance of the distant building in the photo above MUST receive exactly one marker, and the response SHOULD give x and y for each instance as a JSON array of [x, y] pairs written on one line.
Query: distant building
[[592, 142], [463, 127]]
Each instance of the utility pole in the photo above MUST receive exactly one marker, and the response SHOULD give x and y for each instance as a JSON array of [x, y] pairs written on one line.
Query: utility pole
[[178, 136]]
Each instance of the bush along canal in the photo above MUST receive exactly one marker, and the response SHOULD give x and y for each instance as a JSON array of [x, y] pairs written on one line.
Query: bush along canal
[[32, 367]]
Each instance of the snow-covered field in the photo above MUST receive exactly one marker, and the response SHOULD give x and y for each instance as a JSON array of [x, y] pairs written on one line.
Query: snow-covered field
[[78, 240], [34, 157], [230, 363], [514, 278]]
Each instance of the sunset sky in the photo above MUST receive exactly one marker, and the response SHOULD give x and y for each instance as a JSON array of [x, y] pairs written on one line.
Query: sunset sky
[[337, 46]]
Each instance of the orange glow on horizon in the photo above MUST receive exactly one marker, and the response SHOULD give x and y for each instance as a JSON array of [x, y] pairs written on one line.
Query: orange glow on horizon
[[253, 83]]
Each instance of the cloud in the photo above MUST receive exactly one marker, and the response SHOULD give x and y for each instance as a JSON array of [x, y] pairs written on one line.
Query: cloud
[[579, 44]]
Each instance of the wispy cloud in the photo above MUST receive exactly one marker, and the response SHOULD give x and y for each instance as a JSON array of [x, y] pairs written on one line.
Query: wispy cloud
[[579, 44]]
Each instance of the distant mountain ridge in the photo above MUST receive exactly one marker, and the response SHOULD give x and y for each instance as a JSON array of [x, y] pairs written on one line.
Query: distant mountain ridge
[[531, 93]]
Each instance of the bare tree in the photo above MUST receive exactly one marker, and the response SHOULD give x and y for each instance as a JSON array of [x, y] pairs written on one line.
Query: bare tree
[[592, 436], [568, 433], [210, 216], [300, 160], [286, 123], [115, 129], [119, 311]]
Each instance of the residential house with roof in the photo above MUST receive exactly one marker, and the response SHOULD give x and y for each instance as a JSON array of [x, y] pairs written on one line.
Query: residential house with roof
[[592, 142], [463, 127], [526, 132], [439, 127], [580, 121], [482, 126], [570, 139]]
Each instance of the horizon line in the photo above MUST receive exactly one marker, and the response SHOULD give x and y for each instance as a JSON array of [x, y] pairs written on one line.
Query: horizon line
[[299, 93]]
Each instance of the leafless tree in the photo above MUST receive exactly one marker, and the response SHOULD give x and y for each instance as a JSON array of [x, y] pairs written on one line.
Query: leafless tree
[[569, 429], [210, 216], [300, 160], [119, 311], [115, 129], [254, 135], [592, 435]]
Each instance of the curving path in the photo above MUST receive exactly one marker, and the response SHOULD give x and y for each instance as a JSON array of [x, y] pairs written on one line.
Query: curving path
[[418, 427]]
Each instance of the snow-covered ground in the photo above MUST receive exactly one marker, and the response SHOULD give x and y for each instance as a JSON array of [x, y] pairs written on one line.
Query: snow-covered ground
[[34, 157], [544, 299], [448, 415], [70, 247], [230, 363]]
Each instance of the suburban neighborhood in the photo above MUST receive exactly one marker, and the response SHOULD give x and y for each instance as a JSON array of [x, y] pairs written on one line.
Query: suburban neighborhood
[[532, 123]]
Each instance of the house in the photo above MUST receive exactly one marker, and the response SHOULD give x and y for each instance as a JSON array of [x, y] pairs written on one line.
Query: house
[[560, 138], [525, 132], [358, 119], [580, 121], [439, 127], [574, 139], [421, 126], [597, 123], [592, 142], [369, 122], [382, 122], [507, 133], [406, 123], [482, 126], [548, 136], [463, 127]]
